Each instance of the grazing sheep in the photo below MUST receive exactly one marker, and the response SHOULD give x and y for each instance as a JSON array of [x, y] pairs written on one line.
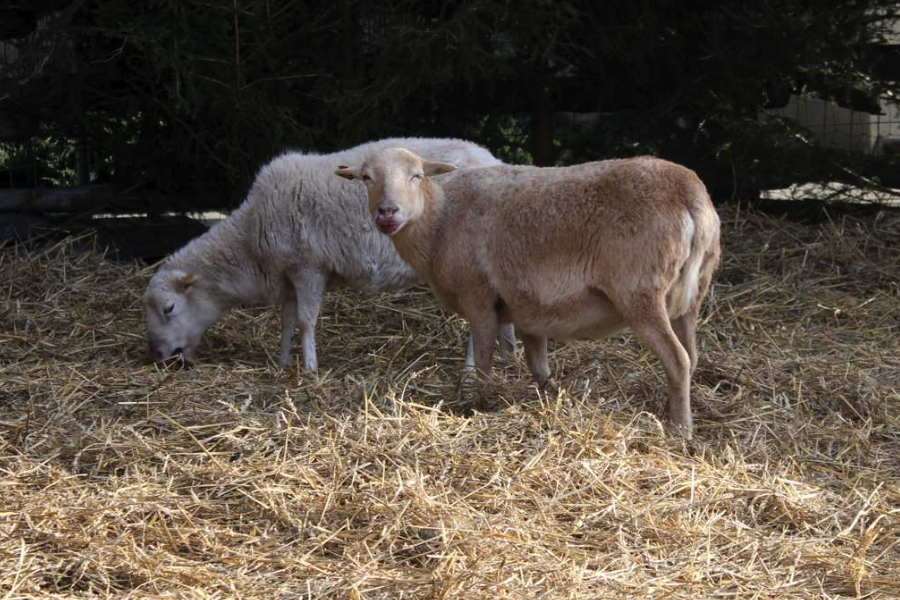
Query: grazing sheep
[[299, 231], [574, 252]]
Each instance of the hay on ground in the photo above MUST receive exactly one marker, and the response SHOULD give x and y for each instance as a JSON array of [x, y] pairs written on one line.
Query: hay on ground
[[382, 477]]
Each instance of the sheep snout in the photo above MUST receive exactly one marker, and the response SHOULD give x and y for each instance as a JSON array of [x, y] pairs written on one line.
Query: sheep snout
[[156, 354], [161, 352], [159, 355], [388, 221]]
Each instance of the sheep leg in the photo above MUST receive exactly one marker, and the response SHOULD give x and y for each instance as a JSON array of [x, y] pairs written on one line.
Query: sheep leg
[[507, 342], [507, 346], [484, 327], [309, 289], [685, 328], [536, 357], [650, 323], [288, 324]]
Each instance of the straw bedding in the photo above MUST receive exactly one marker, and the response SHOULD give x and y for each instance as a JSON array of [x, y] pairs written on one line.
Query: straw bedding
[[384, 477]]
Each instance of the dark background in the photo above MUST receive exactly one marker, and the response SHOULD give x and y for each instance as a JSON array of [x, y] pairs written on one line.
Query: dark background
[[175, 104]]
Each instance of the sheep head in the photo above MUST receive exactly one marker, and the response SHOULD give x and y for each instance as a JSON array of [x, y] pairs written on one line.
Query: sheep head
[[393, 179], [177, 309]]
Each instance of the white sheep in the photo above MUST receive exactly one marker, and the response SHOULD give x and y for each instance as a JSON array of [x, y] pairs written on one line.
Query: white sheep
[[574, 252], [299, 231]]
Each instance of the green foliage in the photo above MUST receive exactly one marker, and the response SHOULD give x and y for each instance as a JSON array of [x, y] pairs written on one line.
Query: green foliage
[[48, 158]]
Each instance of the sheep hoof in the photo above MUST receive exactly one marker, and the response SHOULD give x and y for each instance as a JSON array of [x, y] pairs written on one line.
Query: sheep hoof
[[547, 387], [682, 430]]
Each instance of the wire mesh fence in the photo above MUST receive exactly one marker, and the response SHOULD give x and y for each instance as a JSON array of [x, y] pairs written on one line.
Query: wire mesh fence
[[838, 127]]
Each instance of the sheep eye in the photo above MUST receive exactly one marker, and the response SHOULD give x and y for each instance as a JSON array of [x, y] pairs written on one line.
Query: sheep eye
[[416, 177], [168, 310], [366, 178]]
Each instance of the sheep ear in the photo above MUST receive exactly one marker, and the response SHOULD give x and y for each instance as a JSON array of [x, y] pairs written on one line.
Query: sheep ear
[[187, 281], [436, 168], [347, 172]]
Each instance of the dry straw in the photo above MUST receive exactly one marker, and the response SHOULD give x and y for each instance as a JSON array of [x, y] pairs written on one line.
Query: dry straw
[[385, 478]]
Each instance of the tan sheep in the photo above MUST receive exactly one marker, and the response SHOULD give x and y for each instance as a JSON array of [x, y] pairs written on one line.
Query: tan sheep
[[576, 252]]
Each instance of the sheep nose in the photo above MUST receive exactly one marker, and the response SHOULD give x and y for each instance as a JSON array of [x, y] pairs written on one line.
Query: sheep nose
[[386, 211]]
